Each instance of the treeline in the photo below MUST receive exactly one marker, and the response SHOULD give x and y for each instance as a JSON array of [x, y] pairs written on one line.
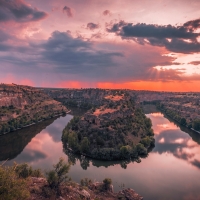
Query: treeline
[[23, 121], [195, 124]]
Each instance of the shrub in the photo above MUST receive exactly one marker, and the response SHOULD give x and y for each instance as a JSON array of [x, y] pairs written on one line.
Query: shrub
[[58, 175], [11, 187], [23, 170], [107, 183], [86, 182]]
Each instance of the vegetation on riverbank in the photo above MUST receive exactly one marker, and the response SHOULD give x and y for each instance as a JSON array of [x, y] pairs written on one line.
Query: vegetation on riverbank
[[21, 182], [116, 130], [176, 115]]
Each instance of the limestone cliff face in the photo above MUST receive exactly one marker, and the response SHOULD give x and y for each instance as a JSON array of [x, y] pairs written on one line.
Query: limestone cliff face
[[80, 97], [23, 105]]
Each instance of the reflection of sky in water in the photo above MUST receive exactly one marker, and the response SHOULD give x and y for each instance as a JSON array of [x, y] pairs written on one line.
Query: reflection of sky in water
[[169, 138], [46, 147], [171, 171]]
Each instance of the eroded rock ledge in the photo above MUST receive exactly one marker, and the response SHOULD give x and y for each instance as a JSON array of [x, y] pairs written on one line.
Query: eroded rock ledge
[[39, 191]]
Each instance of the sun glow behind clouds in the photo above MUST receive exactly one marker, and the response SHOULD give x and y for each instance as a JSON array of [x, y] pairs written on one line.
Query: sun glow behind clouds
[[183, 63]]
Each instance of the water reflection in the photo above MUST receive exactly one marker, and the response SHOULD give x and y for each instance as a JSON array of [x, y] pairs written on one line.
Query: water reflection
[[171, 171], [12, 144], [39, 145], [86, 162], [171, 139]]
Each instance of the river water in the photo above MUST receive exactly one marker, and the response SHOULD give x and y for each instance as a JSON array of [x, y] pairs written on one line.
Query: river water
[[171, 170]]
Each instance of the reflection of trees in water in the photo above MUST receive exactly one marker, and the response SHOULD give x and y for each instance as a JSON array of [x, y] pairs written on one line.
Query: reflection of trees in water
[[13, 143], [194, 135], [182, 150], [85, 161]]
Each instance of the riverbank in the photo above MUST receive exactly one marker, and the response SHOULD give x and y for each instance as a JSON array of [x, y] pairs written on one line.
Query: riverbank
[[34, 123]]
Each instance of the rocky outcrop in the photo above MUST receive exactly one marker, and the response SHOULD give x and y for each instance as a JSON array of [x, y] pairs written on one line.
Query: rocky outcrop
[[39, 190]]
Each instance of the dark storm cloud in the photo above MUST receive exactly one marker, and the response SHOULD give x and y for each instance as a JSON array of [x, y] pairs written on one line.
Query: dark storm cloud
[[17, 10], [68, 11], [176, 45], [92, 26], [151, 31], [180, 39], [77, 57], [192, 25], [106, 12], [75, 54]]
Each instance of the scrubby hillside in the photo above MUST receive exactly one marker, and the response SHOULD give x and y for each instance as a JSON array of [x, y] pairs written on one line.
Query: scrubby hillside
[[115, 130], [23, 105]]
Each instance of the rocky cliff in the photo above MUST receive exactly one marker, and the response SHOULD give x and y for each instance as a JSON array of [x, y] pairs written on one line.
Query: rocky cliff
[[23, 105]]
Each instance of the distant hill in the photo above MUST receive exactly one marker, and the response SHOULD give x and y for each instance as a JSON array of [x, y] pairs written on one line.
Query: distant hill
[[22, 106]]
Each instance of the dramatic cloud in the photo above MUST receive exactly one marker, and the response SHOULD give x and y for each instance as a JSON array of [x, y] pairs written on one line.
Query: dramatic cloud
[[106, 12], [151, 31], [68, 11], [76, 54], [19, 11], [192, 25], [194, 63], [92, 26], [181, 39]]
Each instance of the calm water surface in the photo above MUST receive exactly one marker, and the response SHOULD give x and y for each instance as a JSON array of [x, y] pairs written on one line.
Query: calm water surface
[[171, 171]]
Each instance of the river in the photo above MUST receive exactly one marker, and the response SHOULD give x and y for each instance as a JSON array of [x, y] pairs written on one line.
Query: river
[[171, 170]]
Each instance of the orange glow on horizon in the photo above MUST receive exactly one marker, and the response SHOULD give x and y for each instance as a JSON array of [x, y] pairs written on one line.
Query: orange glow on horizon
[[171, 86]]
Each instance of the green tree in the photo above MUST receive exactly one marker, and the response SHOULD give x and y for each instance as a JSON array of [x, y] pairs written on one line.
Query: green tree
[[107, 183], [183, 121], [58, 175], [196, 124], [141, 149], [125, 151], [85, 145], [146, 141]]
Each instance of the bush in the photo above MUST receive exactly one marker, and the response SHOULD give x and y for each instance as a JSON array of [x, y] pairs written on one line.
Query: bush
[[24, 171], [11, 187], [107, 183], [86, 182], [58, 175]]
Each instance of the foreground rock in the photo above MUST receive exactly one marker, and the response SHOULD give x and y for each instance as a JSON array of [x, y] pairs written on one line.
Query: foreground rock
[[39, 191]]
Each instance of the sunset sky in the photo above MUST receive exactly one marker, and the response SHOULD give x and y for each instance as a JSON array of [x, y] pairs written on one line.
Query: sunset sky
[[133, 44]]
